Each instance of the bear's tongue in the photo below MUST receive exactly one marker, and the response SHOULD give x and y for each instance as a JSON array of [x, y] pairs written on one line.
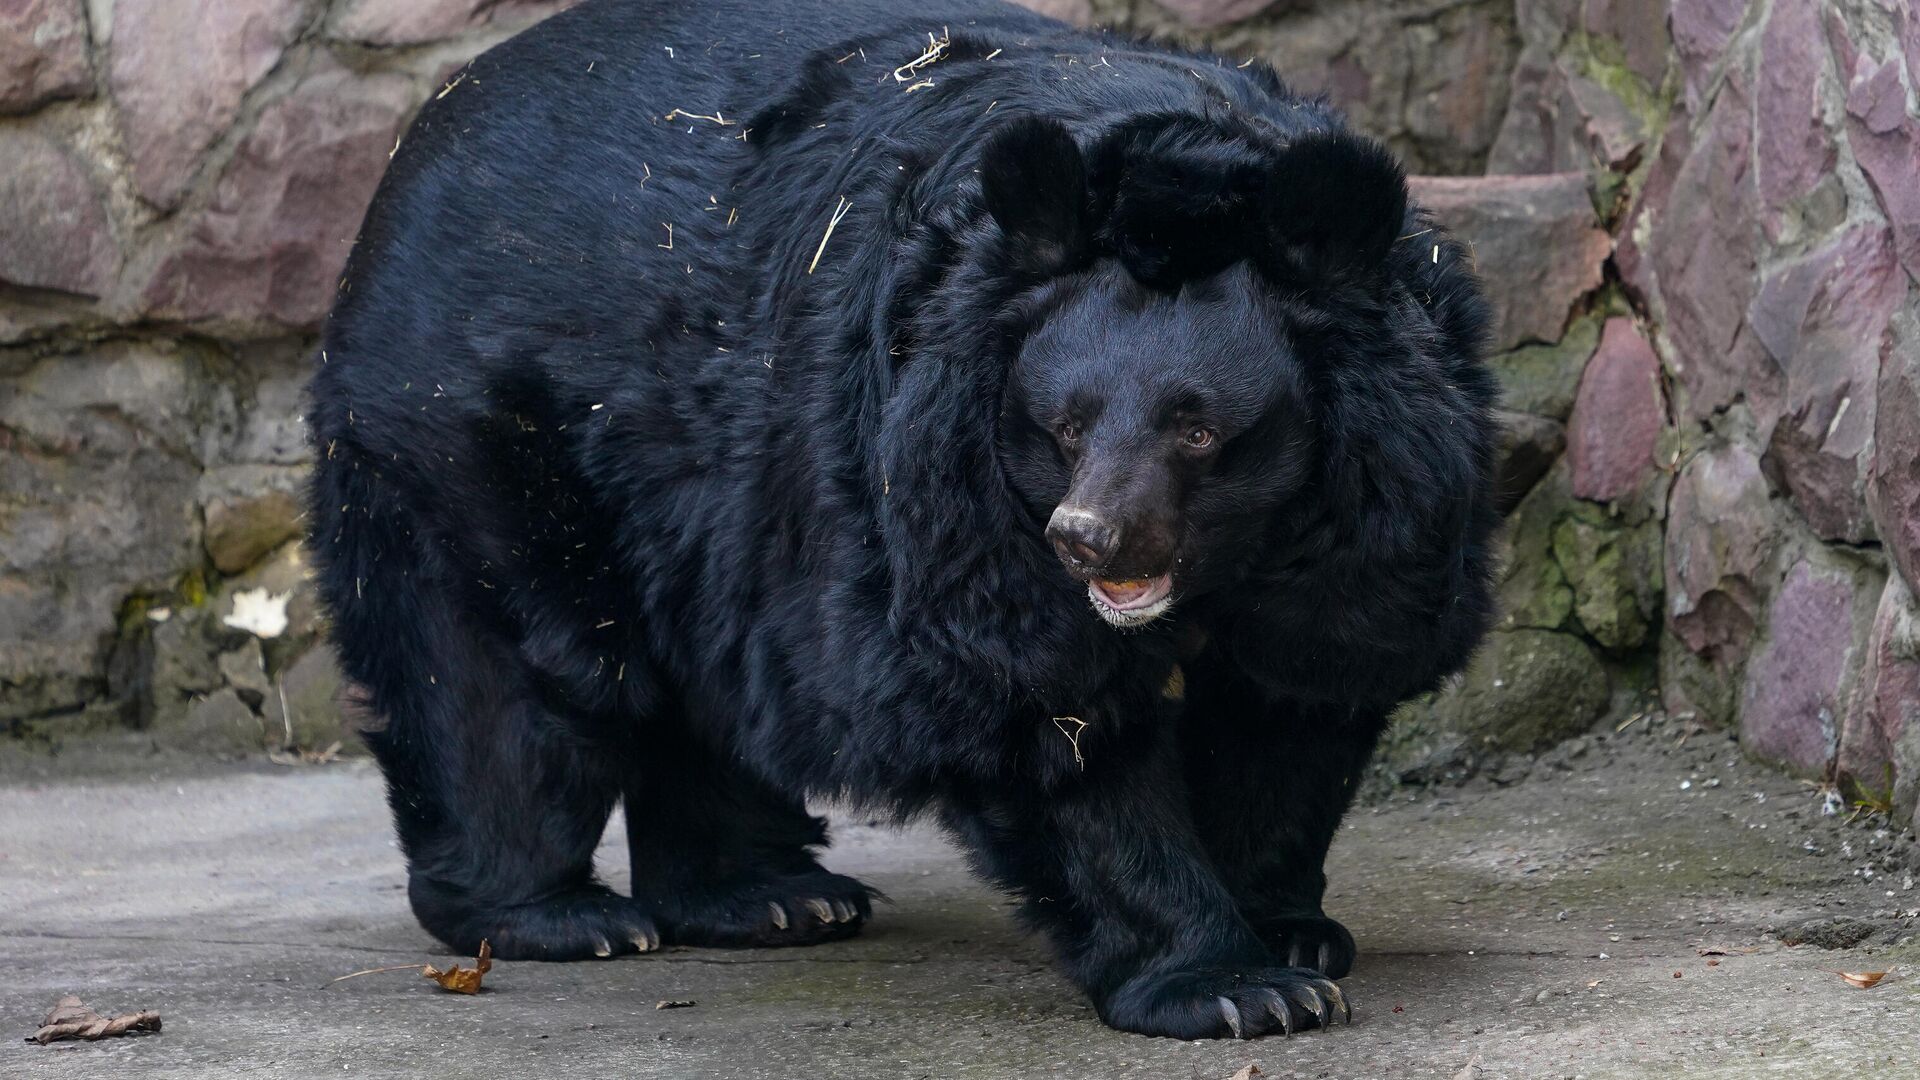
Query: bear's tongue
[[1132, 592]]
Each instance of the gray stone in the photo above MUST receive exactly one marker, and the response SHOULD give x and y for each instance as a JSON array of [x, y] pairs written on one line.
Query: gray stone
[[43, 54], [1525, 690], [1544, 379], [96, 511], [245, 669], [179, 70], [1529, 445], [183, 654], [1829, 932], [54, 228], [1534, 241], [1721, 535], [271, 244], [314, 690], [220, 723], [1702, 688], [250, 510]]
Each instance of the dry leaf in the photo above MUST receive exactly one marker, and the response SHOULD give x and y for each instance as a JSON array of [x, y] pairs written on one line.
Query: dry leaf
[[1247, 1073], [674, 1004], [463, 980], [72, 1020], [1865, 980]]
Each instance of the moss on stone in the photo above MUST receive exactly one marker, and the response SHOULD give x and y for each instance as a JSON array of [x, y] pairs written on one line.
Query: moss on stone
[[1614, 573], [1543, 379], [1526, 690]]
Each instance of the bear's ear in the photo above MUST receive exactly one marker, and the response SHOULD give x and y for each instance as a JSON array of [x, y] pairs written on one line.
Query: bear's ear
[[1334, 205], [1034, 181]]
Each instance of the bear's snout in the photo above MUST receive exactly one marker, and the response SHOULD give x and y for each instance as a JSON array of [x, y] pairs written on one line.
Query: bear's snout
[[1084, 539]]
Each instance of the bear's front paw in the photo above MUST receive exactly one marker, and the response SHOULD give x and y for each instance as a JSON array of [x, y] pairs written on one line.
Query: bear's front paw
[[1214, 1004], [1311, 941]]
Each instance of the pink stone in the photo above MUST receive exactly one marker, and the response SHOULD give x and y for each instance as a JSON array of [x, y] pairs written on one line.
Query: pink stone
[[271, 244], [54, 232], [1704, 251], [387, 22], [418, 22], [179, 70], [1794, 149], [1535, 243], [1701, 30], [1215, 12], [43, 53], [1792, 704], [1886, 142], [1893, 487], [1629, 255], [1823, 319], [1617, 416], [1721, 533], [1077, 12], [1886, 704]]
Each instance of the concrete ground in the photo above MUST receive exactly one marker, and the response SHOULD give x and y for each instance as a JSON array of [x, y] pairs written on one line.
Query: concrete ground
[[1618, 913]]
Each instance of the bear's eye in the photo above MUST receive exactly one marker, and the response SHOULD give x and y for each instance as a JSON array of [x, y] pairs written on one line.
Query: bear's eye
[[1198, 438], [1067, 431]]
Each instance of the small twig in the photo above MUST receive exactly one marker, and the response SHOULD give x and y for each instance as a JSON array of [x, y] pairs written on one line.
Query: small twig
[[839, 212], [716, 118], [377, 971], [936, 48], [1073, 737]]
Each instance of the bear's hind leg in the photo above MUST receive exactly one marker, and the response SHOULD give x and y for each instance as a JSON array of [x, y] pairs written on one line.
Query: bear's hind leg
[[498, 801], [499, 824], [725, 860]]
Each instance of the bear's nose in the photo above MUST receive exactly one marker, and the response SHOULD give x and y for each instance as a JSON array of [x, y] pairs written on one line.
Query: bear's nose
[[1082, 536]]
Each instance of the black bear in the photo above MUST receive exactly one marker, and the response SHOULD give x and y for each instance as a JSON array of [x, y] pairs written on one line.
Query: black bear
[[1078, 442]]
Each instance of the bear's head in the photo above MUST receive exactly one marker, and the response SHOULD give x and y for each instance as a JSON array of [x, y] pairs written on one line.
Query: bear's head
[[1226, 367]]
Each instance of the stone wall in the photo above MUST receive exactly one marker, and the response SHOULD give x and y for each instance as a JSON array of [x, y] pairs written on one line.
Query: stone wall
[[1700, 220], [179, 183]]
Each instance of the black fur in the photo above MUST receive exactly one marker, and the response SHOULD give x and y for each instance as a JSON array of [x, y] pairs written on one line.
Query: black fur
[[621, 498]]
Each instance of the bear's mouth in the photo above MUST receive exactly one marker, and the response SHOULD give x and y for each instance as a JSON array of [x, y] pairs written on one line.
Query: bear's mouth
[[1131, 601]]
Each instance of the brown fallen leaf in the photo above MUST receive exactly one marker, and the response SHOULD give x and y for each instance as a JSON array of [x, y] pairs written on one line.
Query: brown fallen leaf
[[675, 1004], [1247, 1073], [70, 1019], [463, 980], [1865, 980]]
